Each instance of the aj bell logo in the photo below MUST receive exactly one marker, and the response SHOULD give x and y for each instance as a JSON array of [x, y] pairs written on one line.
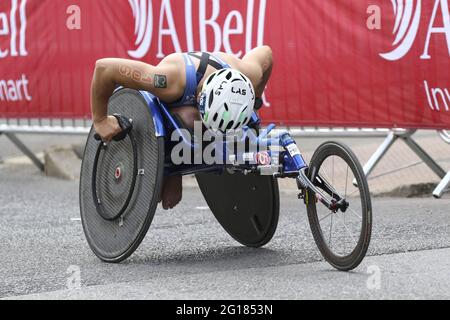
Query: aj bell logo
[[208, 13], [408, 15]]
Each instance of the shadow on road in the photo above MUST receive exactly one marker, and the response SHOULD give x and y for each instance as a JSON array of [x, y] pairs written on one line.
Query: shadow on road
[[224, 258]]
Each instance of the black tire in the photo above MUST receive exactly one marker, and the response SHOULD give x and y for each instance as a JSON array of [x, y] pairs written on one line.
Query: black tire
[[354, 258]]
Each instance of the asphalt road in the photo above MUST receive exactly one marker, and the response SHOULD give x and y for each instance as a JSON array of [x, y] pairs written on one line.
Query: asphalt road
[[186, 254]]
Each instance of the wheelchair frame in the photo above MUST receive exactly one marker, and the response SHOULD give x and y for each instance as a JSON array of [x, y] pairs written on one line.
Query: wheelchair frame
[[290, 163]]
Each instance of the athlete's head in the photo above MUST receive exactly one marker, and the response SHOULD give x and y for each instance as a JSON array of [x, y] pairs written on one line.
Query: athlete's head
[[227, 100]]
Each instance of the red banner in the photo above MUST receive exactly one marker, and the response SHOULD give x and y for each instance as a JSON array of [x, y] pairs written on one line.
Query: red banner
[[339, 63]]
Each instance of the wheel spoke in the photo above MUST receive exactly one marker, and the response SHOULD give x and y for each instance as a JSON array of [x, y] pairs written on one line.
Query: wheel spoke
[[331, 229], [332, 177], [346, 183], [352, 193], [346, 228], [345, 196], [326, 216], [332, 170], [355, 213], [345, 242]]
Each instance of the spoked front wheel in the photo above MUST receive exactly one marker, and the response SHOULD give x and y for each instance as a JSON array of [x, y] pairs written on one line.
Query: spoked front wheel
[[342, 235]]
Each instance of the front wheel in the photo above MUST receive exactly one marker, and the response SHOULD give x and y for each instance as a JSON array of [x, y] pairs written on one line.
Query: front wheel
[[342, 235]]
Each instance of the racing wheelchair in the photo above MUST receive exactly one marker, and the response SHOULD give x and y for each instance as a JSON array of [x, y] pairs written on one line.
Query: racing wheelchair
[[121, 182]]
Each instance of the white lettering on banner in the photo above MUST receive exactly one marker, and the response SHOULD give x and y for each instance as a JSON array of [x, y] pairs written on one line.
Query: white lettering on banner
[[16, 30], [166, 11], [407, 25], [15, 90], [229, 31], [249, 28], [233, 25], [443, 30], [188, 22], [438, 98], [211, 22]]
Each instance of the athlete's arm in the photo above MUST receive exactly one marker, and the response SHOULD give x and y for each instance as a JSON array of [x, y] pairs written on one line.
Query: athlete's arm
[[258, 64], [263, 56], [163, 81]]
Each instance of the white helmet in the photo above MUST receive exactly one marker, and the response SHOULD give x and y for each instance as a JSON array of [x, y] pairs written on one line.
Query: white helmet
[[227, 100]]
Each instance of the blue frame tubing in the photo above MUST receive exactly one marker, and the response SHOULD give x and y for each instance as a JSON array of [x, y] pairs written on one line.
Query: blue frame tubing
[[165, 124]]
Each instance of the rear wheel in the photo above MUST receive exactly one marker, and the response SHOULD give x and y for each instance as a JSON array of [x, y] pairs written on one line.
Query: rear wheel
[[342, 236], [246, 206], [120, 183]]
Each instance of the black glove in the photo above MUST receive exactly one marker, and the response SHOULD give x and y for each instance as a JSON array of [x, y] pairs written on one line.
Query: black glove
[[125, 124], [258, 103]]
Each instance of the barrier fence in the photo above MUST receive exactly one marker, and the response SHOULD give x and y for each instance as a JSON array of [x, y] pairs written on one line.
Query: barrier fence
[[338, 64]]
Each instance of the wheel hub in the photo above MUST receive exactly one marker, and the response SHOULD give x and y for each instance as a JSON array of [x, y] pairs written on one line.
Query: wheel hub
[[118, 173]]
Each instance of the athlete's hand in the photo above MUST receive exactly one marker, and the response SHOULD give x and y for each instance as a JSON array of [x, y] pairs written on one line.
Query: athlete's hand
[[107, 128]]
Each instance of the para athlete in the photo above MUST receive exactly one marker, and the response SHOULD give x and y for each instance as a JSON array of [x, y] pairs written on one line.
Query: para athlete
[[217, 88]]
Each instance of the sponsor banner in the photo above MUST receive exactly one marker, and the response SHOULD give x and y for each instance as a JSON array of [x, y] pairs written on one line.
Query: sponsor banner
[[352, 63]]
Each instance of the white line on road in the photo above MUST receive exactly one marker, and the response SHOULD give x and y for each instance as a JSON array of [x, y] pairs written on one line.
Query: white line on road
[[202, 208]]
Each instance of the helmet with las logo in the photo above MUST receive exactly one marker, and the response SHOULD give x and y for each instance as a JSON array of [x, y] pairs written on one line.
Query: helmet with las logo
[[227, 100]]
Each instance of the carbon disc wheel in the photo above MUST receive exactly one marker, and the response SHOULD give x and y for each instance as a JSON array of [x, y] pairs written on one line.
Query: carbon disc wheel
[[120, 182], [246, 206]]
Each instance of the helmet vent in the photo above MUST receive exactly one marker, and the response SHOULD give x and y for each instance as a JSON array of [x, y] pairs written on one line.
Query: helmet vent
[[215, 116], [230, 125], [226, 107], [211, 98], [211, 78], [221, 123], [229, 75]]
